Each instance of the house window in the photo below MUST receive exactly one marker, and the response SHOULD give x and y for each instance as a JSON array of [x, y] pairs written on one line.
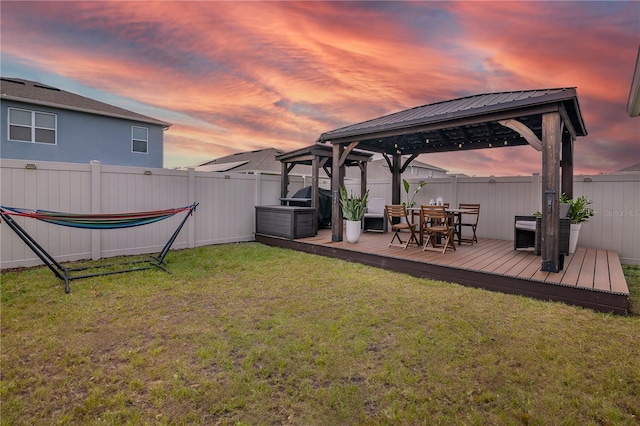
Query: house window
[[139, 139], [32, 126]]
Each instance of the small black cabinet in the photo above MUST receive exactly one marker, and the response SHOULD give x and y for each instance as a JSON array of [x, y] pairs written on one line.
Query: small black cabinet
[[286, 221]]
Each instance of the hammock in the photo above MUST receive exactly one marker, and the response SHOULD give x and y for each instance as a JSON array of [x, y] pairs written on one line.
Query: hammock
[[93, 221]]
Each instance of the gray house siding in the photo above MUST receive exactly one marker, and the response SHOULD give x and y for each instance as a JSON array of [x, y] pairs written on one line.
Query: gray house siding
[[82, 137]]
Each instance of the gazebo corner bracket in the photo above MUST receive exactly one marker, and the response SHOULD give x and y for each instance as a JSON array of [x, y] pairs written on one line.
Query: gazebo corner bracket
[[406, 163], [388, 160], [523, 131], [346, 152]]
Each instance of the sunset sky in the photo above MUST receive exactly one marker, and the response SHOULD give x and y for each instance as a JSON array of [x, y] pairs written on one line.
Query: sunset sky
[[237, 76]]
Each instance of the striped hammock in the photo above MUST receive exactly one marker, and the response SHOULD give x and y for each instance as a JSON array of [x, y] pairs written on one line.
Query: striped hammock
[[96, 221]]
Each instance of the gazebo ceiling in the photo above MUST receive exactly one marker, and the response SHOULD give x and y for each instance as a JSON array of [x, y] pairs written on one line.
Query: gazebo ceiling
[[462, 124]]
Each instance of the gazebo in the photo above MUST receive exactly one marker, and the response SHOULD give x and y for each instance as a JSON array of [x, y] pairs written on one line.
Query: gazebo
[[549, 120], [318, 156]]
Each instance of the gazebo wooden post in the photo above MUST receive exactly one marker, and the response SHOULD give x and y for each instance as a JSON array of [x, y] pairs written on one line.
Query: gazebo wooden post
[[284, 182], [337, 180], [567, 164], [315, 174], [551, 143], [363, 177], [395, 179]]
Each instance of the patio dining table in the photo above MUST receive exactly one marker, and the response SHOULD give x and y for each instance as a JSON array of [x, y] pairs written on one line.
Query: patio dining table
[[454, 213]]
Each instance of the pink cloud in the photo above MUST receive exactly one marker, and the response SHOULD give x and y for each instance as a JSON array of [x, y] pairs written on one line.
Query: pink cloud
[[246, 75]]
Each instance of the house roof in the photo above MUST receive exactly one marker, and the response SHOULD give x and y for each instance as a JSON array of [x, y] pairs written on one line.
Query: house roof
[[17, 89], [378, 169], [261, 160], [472, 122], [416, 163], [221, 167], [269, 160], [635, 168]]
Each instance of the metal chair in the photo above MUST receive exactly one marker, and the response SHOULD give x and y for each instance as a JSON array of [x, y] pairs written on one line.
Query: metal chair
[[396, 214], [469, 220], [435, 223]]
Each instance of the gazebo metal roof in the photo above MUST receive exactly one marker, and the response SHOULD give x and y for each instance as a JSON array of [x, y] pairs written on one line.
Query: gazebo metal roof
[[472, 122]]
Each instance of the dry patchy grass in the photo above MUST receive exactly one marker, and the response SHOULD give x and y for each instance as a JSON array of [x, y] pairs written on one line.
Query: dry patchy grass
[[248, 334]]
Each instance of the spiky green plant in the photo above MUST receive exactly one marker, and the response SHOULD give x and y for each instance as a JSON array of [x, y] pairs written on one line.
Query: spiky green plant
[[353, 207], [407, 186]]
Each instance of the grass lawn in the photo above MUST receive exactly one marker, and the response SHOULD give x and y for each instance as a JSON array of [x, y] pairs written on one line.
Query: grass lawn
[[249, 334]]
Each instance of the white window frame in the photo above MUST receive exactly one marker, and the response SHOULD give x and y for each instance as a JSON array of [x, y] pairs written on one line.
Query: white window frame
[[133, 140], [33, 126]]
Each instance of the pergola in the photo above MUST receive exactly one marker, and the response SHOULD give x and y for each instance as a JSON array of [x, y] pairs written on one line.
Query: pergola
[[549, 120]]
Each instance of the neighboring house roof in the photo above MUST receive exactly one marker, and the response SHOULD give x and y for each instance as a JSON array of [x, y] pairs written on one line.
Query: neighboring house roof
[[222, 167], [261, 160], [631, 169], [416, 163], [32, 92], [264, 161], [378, 169]]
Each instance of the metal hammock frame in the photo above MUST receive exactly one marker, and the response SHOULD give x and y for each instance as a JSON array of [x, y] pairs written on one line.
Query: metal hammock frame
[[94, 221]]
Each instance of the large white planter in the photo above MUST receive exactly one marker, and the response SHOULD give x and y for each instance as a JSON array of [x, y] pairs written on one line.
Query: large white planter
[[574, 233], [352, 233]]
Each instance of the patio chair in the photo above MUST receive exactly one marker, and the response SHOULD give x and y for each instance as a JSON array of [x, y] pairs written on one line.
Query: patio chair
[[374, 219], [435, 224], [399, 221], [469, 220], [527, 233]]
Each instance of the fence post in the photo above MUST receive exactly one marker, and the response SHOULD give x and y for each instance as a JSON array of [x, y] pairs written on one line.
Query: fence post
[[453, 192], [191, 188], [96, 208], [258, 200], [536, 190]]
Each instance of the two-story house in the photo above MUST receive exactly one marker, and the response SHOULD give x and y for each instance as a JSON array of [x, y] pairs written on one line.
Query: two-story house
[[41, 122]]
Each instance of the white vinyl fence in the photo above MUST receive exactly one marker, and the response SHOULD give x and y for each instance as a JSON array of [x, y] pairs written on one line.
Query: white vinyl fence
[[226, 210]]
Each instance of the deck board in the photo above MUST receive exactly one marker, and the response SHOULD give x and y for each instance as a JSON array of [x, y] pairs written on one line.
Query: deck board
[[591, 277], [572, 269], [585, 278], [616, 276], [601, 274]]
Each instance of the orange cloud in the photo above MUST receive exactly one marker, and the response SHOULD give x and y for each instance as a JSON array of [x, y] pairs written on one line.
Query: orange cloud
[[233, 76]]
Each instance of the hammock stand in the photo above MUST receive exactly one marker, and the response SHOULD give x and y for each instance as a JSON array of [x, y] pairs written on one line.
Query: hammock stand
[[94, 221]]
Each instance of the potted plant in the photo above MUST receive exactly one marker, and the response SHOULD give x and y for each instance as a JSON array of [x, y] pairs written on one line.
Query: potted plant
[[353, 209], [579, 212]]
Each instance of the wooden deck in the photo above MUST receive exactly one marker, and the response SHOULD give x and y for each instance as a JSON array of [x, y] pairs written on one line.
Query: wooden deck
[[591, 278]]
